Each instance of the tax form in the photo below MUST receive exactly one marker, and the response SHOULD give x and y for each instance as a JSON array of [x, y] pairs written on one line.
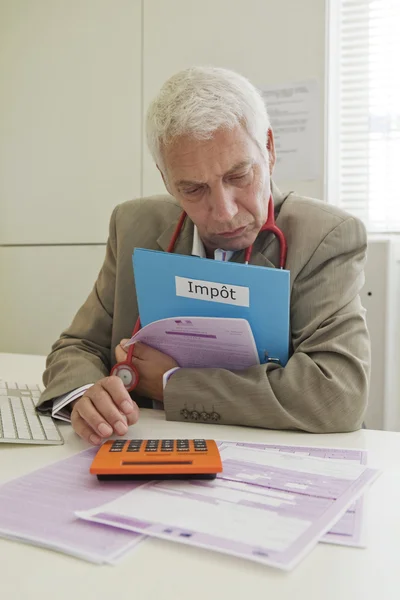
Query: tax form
[[38, 508], [269, 507], [348, 531]]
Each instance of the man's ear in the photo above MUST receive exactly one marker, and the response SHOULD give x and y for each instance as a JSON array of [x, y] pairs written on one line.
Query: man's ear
[[164, 180], [271, 150]]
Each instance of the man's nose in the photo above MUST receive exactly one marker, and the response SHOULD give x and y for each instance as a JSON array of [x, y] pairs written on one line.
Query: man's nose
[[223, 204]]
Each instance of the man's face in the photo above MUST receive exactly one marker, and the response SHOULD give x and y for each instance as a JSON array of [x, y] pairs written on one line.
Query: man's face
[[223, 184]]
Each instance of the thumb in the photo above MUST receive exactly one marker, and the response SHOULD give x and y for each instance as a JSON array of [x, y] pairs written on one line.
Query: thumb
[[120, 352]]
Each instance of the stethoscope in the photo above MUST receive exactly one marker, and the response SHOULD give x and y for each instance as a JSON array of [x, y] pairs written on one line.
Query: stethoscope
[[125, 370]]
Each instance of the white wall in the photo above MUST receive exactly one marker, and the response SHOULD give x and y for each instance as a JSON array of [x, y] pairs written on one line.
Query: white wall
[[269, 42], [70, 150]]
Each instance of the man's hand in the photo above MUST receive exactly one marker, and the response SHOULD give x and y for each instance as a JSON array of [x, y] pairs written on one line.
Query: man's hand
[[104, 409], [151, 364]]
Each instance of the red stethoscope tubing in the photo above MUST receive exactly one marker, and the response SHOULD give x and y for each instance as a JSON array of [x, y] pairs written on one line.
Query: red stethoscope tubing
[[125, 369]]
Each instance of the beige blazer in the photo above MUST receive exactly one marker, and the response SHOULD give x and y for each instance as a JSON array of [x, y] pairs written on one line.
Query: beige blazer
[[324, 386]]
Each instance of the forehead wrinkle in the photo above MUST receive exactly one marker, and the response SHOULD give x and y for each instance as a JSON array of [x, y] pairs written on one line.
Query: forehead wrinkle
[[236, 167], [198, 162]]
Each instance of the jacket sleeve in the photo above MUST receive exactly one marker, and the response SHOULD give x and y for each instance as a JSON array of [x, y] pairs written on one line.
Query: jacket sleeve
[[324, 386], [82, 354]]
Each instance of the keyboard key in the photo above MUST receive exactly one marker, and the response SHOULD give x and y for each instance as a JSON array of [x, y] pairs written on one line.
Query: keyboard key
[[50, 430], [53, 435], [19, 421], [7, 421]]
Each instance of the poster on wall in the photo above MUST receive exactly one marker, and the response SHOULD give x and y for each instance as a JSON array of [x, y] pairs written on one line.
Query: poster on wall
[[294, 113]]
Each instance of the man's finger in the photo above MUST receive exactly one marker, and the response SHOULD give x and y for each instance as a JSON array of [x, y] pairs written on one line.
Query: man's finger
[[120, 396], [83, 430], [100, 412], [120, 352], [94, 419]]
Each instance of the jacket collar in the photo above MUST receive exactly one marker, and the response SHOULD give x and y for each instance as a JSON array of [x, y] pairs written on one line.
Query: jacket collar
[[184, 242], [263, 242]]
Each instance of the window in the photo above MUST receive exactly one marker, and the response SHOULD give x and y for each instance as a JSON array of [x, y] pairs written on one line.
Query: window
[[363, 168]]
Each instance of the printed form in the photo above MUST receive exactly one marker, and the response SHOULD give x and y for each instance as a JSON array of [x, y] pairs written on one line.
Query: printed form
[[348, 531], [38, 508], [270, 507], [202, 341]]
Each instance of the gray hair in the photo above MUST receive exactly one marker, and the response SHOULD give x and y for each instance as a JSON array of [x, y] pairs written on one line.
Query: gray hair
[[198, 101]]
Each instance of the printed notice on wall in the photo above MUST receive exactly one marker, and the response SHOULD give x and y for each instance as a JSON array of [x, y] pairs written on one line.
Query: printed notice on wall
[[294, 113]]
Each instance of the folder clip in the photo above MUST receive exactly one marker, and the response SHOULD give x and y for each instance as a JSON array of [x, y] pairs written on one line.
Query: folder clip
[[270, 359]]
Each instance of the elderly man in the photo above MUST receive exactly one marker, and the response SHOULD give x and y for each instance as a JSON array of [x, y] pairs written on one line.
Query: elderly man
[[209, 134]]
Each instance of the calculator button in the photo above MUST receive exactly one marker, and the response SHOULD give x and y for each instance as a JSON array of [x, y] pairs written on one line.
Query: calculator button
[[135, 443], [134, 446], [167, 445], [182, 445], [200, 445], [152, 445], [118, 446]]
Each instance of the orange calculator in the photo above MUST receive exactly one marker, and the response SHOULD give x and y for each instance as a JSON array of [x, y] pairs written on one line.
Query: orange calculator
[[157, 459]]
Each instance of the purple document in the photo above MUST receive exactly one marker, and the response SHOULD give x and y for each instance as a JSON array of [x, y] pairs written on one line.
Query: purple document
[[39, 509], [348, 530], [269, 507], [204, 342]]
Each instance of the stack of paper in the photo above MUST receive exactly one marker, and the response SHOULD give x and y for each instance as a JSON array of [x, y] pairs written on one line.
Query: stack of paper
[[271, 504], [39, 509], [270, 507]]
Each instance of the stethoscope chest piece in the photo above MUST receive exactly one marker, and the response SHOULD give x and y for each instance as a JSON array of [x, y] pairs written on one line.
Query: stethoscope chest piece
[[128, 374]]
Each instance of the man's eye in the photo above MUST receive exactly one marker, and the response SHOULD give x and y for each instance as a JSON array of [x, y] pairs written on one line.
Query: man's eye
[[192, 191], [239, 177]]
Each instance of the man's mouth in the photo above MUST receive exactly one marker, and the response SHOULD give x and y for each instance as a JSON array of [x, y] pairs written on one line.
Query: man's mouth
[[232, 233]]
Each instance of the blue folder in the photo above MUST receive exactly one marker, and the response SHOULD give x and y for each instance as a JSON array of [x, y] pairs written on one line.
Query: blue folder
[[175, 285]]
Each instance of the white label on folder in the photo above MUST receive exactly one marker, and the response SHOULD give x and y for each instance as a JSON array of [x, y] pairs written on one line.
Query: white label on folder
[[213, 292]]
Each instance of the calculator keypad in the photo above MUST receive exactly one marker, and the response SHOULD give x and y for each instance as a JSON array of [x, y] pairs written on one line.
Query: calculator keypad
[[167, 445], [118, 446], [134, 446], [200, 445], [152, 445], [158, 445], [182, 445]]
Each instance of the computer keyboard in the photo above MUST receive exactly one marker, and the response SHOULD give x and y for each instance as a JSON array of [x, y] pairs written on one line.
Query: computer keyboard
[[19, 421]]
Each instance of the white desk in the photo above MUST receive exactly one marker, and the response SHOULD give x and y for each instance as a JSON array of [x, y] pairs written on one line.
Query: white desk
[[160, 569]]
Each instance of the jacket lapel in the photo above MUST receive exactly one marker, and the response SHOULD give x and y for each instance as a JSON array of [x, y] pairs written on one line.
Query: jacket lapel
[[184, 242]]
